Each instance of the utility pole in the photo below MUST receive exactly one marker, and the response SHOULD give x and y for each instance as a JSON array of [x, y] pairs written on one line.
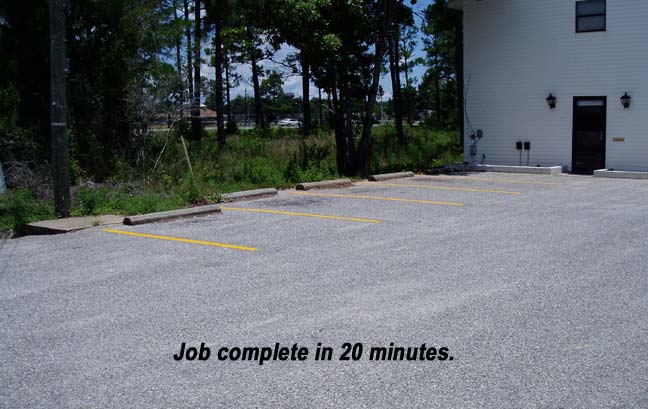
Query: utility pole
[[58, 109]]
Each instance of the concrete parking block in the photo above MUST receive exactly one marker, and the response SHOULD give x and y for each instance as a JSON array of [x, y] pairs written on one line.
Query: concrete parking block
[[325, 184], [171, 214], [248, 195], [387, 176]]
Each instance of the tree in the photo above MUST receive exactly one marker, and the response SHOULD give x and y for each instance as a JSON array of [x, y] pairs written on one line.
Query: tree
[[346, 47], [217, 17], [178, 42], [196, 125], [402, 20], [114, 49], [443, 42], [272, 92], [190, 84], [408, 44]]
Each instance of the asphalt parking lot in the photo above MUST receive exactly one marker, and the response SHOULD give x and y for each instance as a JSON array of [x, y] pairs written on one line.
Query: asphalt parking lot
[[538, 285]]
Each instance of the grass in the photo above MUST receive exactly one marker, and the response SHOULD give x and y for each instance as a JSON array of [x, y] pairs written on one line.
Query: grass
[[252, 159]]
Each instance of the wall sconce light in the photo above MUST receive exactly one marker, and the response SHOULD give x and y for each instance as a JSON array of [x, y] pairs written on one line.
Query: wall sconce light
[[551, 101], [625, 100]]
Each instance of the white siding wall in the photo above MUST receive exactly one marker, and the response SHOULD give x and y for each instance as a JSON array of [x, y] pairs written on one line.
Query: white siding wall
[[518, 51]]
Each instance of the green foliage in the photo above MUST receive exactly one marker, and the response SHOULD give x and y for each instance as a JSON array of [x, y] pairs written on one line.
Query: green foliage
[[9, 100], [252, 159], [267, 157], [19, 207], [103, 200], [424, 148], [439, 87]]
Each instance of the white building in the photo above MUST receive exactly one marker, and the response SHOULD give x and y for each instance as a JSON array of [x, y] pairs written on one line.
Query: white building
[[587, 54]]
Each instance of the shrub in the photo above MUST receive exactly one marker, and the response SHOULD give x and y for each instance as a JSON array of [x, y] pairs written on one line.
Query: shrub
[[19, 207]]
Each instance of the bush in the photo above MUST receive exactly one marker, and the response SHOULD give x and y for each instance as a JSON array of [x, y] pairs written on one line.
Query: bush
[[424, 148], [19, 207]]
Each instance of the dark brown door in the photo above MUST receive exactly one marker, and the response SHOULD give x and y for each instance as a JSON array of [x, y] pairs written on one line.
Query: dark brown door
[[588, 144]]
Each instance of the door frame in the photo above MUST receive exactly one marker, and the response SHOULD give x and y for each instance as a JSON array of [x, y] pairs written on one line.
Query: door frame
[[574, 106]]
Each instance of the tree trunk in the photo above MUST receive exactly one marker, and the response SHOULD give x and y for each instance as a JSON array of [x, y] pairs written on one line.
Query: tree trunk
[[364, 150], [258, 104], [306, 108], [345, 100], [459, 63], [189, 52], [218, 63], [329, 114], [394, 65], [341, 154], [58, 109], [230, 119], [437, 97], [321, 114], [406, 95], [177, 41], [195, 104]]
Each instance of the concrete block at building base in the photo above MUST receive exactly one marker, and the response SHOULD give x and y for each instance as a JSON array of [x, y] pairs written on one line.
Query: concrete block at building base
[[171, 214], [387, 176], [325, 184], [536, 170], [248, 195], [620, 174], [70, 224]]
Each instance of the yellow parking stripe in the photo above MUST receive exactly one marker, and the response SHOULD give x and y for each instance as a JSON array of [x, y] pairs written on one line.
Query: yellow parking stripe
[[320, 216], [464, 189], [394, 199], [204, 243], [521, 182]]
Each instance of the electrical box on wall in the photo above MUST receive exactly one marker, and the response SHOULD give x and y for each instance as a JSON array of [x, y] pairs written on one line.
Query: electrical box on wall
[[527, 146], [518, 145]]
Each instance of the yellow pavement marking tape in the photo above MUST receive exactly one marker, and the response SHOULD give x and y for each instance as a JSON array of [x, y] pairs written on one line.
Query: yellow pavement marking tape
[[394, 199], [466, 189], [500, 180], [321, 216], [204, 243]]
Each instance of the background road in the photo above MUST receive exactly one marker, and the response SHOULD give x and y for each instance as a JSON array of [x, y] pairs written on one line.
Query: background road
[[539, 288]]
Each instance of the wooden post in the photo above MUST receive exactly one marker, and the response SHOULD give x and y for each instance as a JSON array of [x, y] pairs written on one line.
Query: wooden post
[[58, 109]]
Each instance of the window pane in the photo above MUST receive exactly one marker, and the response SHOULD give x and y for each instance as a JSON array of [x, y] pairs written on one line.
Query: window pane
[[590, 103], [590, 7], [595, 23]]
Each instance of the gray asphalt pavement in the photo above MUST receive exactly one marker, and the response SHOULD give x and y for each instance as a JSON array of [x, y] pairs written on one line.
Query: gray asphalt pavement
[[541, 298]]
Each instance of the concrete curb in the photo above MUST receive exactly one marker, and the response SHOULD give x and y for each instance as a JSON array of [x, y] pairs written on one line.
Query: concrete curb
[[536, 170], [325, 184], [619, 174], [387, 176], [170, 215], [248, 195], [70, 224]]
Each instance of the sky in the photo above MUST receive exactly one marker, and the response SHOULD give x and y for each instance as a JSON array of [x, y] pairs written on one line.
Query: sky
[[293, 83]]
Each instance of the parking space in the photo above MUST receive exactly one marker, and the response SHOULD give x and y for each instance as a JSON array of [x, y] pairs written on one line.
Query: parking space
[[528, 279]]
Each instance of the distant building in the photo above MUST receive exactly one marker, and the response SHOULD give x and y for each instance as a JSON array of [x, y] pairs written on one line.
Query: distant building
[[206, 115]]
